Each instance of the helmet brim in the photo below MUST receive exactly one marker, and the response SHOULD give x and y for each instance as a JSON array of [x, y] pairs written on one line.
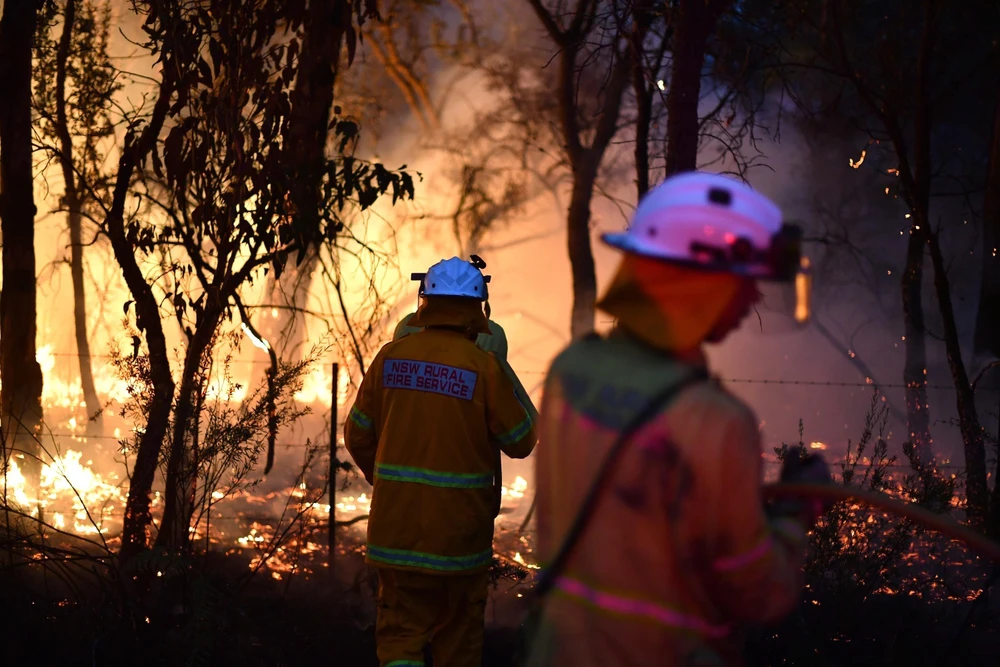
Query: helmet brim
[[627, 243]]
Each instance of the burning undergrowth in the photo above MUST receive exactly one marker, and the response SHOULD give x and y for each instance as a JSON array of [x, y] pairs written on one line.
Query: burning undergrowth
[[274, 529]]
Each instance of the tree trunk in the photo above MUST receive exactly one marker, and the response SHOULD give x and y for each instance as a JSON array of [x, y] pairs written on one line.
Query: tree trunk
[[581, 256], [987, 338], [21, 394], [695, 22], [308, 127], [137, 515], [915, 362], [919, 192], [414, 90], [95, 413], [976, 493], [584, 160], [311, 105], [643, 101], [178, 502]]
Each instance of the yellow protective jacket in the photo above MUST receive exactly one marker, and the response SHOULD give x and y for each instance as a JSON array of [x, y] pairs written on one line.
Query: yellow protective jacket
[[494, 342], [679, 553], [423, 430]]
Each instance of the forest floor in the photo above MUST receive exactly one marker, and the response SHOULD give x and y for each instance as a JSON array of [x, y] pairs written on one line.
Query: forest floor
[[305, 621]]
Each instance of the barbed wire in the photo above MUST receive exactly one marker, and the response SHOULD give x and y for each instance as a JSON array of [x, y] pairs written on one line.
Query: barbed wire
[[125, 355], [84, 436], [812, 383], [817, 383]]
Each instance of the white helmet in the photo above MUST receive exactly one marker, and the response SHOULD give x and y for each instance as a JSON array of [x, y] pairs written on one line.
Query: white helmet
[[715, 222], [454, 277]]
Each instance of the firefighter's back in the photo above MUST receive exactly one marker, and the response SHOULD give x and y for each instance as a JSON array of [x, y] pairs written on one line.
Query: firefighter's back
[[434, 432]]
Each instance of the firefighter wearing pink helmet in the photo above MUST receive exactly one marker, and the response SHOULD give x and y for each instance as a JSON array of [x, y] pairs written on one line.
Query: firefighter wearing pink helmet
[[655, 542]]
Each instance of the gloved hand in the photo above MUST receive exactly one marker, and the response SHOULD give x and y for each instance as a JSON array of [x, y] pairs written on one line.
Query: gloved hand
[[800, 467]]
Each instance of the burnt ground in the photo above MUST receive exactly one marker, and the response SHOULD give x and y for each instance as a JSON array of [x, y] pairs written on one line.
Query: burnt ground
[[305, 621], [65, 617], [302, 620]]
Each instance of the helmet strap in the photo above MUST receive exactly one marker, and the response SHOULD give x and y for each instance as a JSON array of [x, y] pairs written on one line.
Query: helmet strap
[[486, 308]]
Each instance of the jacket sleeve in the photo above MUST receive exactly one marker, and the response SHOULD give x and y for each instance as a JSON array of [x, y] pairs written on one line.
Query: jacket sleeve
[[756, 562], [361, 426], [519, 391], [509, 423]]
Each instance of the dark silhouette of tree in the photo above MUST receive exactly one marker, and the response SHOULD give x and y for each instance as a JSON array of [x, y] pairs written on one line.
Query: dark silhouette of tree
[[693, 23], [900, 75], [21, 396], [587, 45], [80, 59]]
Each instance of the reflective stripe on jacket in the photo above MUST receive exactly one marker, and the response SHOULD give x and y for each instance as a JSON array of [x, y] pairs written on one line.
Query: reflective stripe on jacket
[[423, 428], [679, 550]]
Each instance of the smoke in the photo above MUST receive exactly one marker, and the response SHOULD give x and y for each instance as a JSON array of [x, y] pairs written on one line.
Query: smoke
[[785, 376]]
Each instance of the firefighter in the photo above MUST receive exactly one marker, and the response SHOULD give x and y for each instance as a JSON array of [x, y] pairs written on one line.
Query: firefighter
[[429, 415], [677, 552], [495, 342]]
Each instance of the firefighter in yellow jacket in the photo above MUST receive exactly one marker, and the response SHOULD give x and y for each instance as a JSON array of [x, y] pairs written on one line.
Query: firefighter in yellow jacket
[[679, 551], [429, 414]]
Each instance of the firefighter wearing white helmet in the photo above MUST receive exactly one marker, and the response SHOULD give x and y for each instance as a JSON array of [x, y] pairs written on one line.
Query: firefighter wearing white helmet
[[495, 342], [430, 414], [651, 525]]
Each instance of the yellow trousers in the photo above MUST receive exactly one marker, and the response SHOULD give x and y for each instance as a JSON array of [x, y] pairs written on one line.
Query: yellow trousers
[[445, 611]]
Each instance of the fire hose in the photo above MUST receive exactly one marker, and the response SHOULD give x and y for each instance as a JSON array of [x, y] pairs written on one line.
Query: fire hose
[[915, 513]]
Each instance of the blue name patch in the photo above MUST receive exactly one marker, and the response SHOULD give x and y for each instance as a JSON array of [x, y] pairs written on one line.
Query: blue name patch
[[425, 376]]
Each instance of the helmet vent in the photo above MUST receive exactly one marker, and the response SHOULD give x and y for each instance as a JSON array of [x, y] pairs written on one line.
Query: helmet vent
[[651, 231], [720, 196]]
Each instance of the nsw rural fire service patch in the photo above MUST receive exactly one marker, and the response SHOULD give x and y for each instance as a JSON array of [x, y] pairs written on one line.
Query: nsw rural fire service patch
[[425, 376]]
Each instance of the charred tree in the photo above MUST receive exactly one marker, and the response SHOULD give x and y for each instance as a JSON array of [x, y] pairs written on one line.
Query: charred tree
[[73, 203], [311, 110], [914, 156], [74, 85], [402, 73], [312, 105], [138, 145], [21, 395], [918, 422], [987, 336], [584, 159], [644, 82], [693, 25], [916, 182]]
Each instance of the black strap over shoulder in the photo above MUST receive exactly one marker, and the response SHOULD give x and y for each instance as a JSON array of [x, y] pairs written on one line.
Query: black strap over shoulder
[[604, 474]]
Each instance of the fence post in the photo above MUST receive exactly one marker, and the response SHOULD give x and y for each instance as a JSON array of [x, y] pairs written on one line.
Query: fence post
[[334, 466]]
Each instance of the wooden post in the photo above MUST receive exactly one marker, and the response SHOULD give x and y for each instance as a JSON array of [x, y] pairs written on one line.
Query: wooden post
[[334, 465]]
